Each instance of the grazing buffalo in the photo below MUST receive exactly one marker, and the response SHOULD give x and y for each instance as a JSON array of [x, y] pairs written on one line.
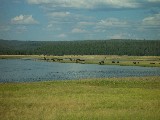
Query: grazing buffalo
[[53, 59], [58, 59], [101, 62], [45, 58], [113, 62], [134, 62], [70, 59], [79, 60], [152, 63]]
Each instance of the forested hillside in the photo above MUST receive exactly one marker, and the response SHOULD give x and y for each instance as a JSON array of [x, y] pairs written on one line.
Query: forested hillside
[[87, 47]]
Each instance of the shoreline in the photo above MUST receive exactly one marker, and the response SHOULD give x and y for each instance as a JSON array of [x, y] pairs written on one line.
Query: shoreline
[[143, 61], [134, 78]]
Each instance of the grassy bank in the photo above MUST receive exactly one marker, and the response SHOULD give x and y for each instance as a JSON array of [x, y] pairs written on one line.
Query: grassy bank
[[145, 61], [20, 56], [91, 99]]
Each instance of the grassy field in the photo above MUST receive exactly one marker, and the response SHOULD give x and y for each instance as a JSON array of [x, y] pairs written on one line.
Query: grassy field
[[145, 61], [136, 98]]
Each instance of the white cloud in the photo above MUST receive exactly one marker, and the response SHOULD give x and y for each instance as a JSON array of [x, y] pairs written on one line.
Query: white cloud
[[120, 36], [89, 4], [62, 35], [153, 0], [39, 1], [49, 25], [117, 36], [152, 20], [24, 19], [78, 30], [4, 28], [85, 23], [21, 29], [111, 22], [59, 14], [66, 18], [52, 27], [122, 3]]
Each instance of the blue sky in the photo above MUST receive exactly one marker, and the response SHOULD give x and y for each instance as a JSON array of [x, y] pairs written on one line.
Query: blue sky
[[59, 20]]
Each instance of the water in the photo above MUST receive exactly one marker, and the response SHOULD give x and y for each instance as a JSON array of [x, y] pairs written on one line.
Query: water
[[29, 71]]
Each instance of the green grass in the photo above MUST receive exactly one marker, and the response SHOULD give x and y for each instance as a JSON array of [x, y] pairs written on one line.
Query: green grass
[[90, 99]]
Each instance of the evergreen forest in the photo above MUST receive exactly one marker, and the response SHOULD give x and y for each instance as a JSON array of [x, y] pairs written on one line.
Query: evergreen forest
[[84, 47]]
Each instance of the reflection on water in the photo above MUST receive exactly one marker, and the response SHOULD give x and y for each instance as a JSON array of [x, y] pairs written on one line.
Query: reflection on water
[[29, 70]]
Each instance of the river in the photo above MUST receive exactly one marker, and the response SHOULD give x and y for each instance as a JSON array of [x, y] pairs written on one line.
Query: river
[[18, 70]]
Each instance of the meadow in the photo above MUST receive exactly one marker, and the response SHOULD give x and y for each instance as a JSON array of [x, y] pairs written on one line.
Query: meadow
[[132, 98]]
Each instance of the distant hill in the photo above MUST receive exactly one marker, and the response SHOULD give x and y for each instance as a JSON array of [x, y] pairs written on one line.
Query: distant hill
[[86, 47]]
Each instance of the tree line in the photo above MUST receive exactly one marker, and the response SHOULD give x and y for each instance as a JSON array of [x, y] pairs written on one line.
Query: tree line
[[85, 47]]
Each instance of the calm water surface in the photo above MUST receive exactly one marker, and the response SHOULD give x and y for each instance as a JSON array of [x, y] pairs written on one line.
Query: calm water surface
[[29, 70]]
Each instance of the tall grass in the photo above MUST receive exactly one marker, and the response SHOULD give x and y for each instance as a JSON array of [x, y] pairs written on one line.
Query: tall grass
[[90, 99]]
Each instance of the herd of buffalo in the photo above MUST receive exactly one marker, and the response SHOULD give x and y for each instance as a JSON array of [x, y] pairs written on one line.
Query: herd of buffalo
[[82, 61]]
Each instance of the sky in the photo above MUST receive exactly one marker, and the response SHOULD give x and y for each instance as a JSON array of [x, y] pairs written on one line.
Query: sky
[[64, 20]]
